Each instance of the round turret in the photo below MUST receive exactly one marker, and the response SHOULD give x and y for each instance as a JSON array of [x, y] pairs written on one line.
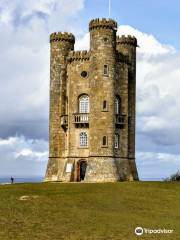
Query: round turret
[[102, 34], [102, 23], [130, 40], [60, 36]]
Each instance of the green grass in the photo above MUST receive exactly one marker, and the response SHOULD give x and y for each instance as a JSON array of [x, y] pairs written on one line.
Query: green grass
[[89, 211]]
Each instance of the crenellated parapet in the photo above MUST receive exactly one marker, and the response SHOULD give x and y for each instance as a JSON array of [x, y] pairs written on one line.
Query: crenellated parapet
[[78, 56], [129, 40], [62, 36], [102, 23]]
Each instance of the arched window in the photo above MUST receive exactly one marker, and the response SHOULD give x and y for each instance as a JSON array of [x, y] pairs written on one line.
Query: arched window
[[116, 142], [104, 141], [84, 104], [117, 105], [83, 139]]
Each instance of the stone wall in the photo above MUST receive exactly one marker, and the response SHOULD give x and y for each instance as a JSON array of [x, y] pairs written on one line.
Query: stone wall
[[104, 163]]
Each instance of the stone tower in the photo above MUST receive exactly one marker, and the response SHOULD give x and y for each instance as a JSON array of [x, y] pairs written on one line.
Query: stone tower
[[92, 107]]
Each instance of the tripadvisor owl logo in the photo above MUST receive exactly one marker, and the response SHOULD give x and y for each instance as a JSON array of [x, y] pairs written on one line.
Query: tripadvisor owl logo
[[139, 231]]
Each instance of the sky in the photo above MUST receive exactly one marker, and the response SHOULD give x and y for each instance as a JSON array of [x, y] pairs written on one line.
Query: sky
[[24, 77]]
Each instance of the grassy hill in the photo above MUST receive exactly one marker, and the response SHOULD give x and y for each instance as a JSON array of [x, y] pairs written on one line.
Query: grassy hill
[[55, 211]]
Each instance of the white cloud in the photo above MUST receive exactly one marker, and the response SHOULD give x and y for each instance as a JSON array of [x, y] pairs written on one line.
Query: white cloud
[[24, 73], [148, 44], [83, 43], [158, 89], [157, 165], [23, 157], [38, 156], [148, 158], [10, 10]]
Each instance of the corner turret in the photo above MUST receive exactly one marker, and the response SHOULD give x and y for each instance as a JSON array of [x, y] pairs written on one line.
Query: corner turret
[[126, 45], [129, 40], [61, 45], [60, 36]]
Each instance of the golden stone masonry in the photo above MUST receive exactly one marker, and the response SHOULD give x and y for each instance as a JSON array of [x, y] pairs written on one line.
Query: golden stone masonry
[[92, 107]]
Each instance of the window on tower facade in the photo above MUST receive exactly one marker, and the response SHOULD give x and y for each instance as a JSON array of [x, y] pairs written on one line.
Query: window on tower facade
[[83, 139], [104, 141], [106, 40], [106, 70], [117, 105], [104, 105], [84, 104], [116, 142]]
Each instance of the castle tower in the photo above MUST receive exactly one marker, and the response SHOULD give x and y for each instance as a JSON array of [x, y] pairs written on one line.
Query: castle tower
[[92, 107]]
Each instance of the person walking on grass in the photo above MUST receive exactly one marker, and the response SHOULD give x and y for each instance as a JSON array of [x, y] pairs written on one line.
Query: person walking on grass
[[12, 180]]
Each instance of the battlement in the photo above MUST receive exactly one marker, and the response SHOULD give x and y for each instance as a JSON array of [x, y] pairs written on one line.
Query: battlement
[[62, 36], [78, 56], [131, 40], [102, 23]]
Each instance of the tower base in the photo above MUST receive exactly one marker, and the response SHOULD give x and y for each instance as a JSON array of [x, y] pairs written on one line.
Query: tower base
[[91, 169]]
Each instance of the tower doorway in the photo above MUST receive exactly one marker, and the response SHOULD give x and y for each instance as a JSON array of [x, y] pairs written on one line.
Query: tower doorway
[[81, 170]]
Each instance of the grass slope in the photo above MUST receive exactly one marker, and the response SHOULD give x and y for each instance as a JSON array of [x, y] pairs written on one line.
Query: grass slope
[[78, 211]]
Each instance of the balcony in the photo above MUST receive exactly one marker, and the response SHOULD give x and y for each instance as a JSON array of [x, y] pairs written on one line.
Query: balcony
[[81, 119], [120, 120], [64, 121]]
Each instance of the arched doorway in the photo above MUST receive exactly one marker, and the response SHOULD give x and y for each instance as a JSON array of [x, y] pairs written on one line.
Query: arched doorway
[[81, 170]]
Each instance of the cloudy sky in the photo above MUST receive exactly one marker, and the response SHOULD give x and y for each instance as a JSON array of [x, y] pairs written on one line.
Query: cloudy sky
[[24, 75]]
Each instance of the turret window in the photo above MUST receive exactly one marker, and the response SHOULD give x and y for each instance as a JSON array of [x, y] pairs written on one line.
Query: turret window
[[105, 40], [83, 139], [106, 70], [84, 104], [104, 141], [104, 105], [116, 142], [117, 105]]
